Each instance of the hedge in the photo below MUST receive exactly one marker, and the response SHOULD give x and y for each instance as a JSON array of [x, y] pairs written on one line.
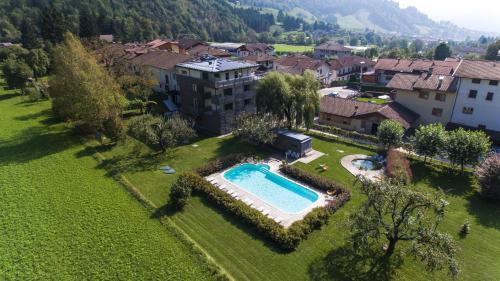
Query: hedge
[[287, 239], [312, 180], [220, 164], [345, 133], [398, 166]]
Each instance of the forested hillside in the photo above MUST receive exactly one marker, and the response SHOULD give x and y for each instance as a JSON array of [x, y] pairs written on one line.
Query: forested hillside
[[129, 20]]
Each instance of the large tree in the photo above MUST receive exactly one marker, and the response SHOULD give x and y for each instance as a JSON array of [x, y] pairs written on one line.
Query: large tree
[[488, 176], [429, 140], [258, 129], [466, 147], [83, 91], [493, 52], [39, 61], [390, 133], [305, 90], [442, 51], [16, 72], [393, 213], [29, 37]]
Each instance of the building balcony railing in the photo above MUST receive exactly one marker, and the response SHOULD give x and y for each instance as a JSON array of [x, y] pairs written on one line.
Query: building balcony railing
[[236, 81]]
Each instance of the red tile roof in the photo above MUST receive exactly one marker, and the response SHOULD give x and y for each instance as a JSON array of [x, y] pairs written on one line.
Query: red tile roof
[[489, 70], [161, 59], [332, 46], [357, 109]]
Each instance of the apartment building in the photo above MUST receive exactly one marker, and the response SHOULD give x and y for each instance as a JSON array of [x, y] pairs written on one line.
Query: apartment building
[[215, 91], [298, 64], [478, 96], [331, 49]]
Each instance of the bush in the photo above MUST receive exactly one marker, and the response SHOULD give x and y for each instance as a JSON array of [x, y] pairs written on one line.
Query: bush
[[220, 164], [180, 193], [312, 180], [345, 133], [398, 166], [488, 175], [390, 133]]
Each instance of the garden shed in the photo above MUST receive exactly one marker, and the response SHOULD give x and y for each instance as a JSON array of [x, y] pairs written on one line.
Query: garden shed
[[294, 144]]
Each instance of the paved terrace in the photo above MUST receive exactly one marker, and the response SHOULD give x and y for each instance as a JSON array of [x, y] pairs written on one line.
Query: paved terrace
[[284, 218]]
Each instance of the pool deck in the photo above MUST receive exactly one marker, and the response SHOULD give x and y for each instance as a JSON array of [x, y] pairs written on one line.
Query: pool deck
[[347, 164], [284, 218]]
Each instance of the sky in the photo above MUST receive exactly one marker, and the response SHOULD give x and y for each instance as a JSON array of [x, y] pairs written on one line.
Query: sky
[[483, 15]]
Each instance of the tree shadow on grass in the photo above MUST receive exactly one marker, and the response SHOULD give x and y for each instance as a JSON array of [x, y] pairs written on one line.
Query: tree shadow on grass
[[35, 115], [486, 212], [8, 96], [347, 264], [134, 161]]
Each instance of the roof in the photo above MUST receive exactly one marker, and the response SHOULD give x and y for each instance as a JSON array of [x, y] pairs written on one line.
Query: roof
[[293, 135], [489, 70], [259, 58], [349, 61], [357, 109], [212, 64], [227, 45], [410, 82], [300, 61], [200, 50], [332, 46], [257, 47], [403, 65], [188, 43], [159, 42], [160, 59]]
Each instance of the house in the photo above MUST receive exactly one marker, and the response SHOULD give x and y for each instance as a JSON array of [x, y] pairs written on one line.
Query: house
[[478, 96], [265, 61], [385, 69], [215, 91], [362, 117], [298, 64], [430, 95], [201, 50], [189, 43], [162, 66], [330, 49], [348, 66], [167, 45], [254, 49], [228, 46]]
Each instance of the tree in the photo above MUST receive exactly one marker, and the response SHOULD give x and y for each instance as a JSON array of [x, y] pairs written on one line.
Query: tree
[[466, 147], [305, 90], [429, 140], [354, 41], [275, 96], [39, 61], [83, 91], [29, 38], [88, 24], [180, 193], [488, 176], [16, 73], [166, 132], [258, 129], [53, 25], [393, 213], [139, 85], [493, 52], [418, 45], [442, 51], [390, 133]]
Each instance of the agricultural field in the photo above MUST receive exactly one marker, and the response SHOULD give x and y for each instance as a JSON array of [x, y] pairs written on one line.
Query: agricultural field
[[284, 48], [62, 218]]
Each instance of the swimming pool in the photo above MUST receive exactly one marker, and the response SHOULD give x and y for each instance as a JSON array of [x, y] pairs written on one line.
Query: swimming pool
[[272, 188]]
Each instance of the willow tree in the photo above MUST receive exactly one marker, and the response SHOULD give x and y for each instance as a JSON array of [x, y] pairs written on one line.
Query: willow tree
[[305, 90], [83, 92]]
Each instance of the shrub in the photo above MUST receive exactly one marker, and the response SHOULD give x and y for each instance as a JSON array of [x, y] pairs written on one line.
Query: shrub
[[312, 180], [390, 133], [220, 164], [398, 166], [345, 133], [180, 193], [488, 175]]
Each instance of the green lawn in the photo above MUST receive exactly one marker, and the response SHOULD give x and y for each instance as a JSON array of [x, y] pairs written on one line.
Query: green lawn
[[373, 100], [284, 48], [63, 219]]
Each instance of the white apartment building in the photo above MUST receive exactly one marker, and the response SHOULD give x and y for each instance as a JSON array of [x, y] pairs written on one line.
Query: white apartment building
[[478, 95]]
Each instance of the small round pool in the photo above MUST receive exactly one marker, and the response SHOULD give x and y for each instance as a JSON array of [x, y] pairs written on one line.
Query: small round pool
[[364, 164]]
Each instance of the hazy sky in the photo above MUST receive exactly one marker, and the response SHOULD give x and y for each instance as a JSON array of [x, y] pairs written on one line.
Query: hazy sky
[[473, 14]]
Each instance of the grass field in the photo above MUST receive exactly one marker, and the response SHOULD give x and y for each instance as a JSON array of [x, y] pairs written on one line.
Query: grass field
[[284, 48], [63, 219]]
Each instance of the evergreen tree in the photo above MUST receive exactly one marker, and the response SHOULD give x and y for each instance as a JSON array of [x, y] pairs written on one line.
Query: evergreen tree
[[442, 52], [53, 25], [29, 38], [88, 24], [493, 52]]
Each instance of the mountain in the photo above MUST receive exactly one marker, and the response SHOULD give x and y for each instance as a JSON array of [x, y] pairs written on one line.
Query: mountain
[[379, 15], [130, 19]]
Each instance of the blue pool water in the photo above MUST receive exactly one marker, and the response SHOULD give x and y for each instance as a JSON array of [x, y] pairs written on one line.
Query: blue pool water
[[272, 188]]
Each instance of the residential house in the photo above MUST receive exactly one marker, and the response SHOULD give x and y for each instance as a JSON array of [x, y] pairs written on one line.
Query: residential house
[[201, 50], [478, 96], [430, 95], [232, 48], [167, 45], [265, 61], [362, 117], [215, 91], [189, 43], [330, 49], [345, 67], [162, 66], [298, 64], [385, 69], [254, 50]]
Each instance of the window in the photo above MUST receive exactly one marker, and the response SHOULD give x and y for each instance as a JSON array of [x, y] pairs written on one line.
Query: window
[[228, 106], [195, 88], [217, 75], [476, 81], [248, 101], [246, 88], [205, 75], [235, 74], [472, 94], [468, 110], [228, 92], [438, 112], [440, 97], [494, 83], [423, 95], [227, 76], [184, 72], [489, 96]]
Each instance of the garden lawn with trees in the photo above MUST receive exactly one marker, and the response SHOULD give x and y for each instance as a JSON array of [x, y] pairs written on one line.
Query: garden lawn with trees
[[63, 219]]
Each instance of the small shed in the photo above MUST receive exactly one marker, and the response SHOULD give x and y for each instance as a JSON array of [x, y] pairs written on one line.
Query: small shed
[[294, 144]]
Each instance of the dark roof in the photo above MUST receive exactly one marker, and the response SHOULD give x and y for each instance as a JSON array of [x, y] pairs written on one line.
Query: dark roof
[[293, 135], [349, 61], [357, 109], [489, 70], [190, 43], [410, 82], [332, 46], [161, 59], [257, 47]]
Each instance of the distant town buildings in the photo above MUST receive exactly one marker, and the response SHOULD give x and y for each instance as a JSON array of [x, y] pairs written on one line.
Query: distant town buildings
[[331, 49]]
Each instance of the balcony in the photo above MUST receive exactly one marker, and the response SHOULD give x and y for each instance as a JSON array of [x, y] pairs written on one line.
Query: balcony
[[236, 81]]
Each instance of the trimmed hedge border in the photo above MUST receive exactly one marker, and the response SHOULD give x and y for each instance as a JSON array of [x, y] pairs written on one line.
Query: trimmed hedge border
[[286, 239], [346, 133]]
